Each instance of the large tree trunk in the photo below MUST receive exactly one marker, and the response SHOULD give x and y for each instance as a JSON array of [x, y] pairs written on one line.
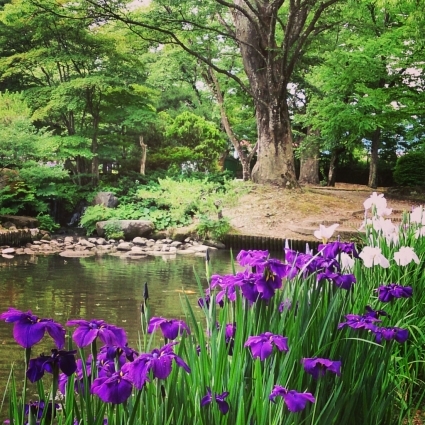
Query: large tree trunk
[[268, 72], [309, 161], [374, 156], [275, 161]]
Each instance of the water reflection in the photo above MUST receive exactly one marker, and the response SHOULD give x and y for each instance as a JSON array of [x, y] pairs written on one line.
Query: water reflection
[[106, 287]]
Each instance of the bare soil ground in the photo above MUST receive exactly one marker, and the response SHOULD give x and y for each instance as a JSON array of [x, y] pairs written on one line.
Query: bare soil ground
[[278, 212]]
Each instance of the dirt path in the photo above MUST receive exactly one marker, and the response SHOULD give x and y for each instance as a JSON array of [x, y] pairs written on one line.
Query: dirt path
[[273, 211]]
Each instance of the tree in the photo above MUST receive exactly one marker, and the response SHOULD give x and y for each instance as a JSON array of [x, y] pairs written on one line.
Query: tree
[[366, 85], [80, 80], [272, 36], [194, 140]]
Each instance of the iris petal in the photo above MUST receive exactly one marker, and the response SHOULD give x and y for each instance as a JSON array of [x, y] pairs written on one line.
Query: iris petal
[[28, 334]]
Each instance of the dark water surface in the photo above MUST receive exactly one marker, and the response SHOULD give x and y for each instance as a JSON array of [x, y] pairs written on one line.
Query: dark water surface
[[106, 287]]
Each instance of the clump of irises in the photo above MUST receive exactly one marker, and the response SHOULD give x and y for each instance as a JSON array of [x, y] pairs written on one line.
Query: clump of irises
[[279, 341]]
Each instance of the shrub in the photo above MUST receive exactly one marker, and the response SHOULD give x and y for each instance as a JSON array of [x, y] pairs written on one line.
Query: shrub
[[209, 228], [47, 223], [410, 169], [94, 214]]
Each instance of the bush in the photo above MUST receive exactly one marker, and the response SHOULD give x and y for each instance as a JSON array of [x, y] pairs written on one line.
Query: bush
[[410, 169], [47, 223], [94, 214], [208, 228]]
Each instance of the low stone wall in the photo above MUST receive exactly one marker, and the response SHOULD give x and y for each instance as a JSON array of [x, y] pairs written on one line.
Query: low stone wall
[[17, 237]]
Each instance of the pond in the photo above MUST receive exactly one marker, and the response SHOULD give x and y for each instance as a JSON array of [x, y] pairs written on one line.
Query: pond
[[105, 287]]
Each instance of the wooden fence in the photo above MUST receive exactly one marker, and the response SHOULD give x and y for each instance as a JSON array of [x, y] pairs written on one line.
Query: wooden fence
[[15, 237]]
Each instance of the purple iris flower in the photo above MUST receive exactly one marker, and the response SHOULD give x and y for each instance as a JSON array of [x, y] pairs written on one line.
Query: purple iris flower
[[331, 250], [87, 332], [294, 400], [309, 264], [267, 284], [79, 377], [158, 362], [63, 360], [113, 387], [219, 399], [316, 366], [204, 302], [114, 352], [226, 284], [343, 281], [356, 321], [387, 293], [38, 409], [285, 305], [375, 313], [251, 258], [230, 336], [29, 329], [170, 328], [262, 345], [247, 281], [398, 334]]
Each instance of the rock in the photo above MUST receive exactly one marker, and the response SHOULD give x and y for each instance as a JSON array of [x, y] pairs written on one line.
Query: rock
[[107, 199], [20, 221], [186, 251], [201, 248], [125, 246], [86, 243], [182, 233], [160, 235], [8, 251], [139, 241], [214, 244], [175, 244], [131, 228], [105, 247], [9, 225], [85, 253], [137, 250]]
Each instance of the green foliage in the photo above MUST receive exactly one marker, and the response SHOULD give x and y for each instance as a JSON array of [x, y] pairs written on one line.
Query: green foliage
[[209, 228], [168, 202], [410, 169], [113, 230], [47, 223], [92, 215], [201, 140]]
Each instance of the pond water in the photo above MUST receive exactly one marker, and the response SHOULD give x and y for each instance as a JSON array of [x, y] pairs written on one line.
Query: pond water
[[106, 287]]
